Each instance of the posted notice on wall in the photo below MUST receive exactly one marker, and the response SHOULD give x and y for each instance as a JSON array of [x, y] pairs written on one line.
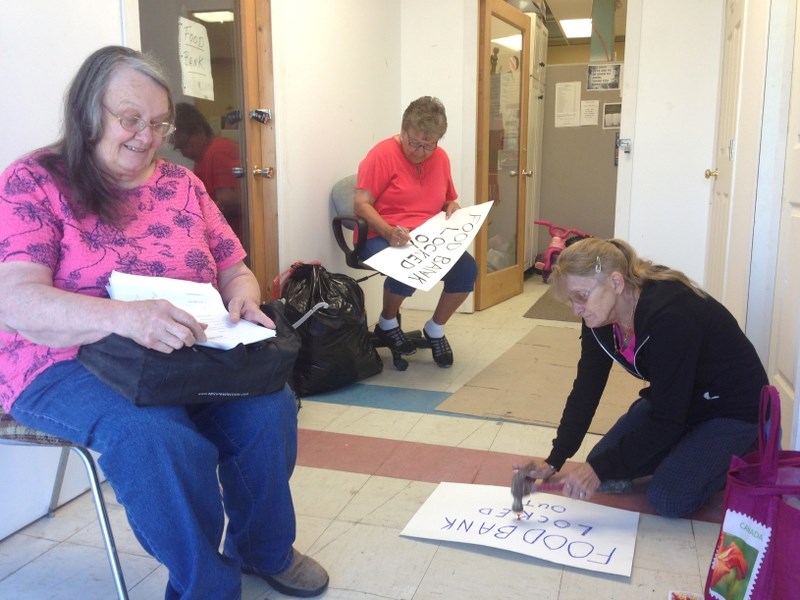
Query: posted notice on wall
[[434, 248], [195, 57], [568, 104], [552, 527]]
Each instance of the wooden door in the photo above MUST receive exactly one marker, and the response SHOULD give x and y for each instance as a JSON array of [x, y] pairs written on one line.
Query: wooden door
[[236, 101], [502, 155]]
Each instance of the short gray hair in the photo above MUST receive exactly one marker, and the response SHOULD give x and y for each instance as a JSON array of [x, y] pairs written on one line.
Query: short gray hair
[[427, 115]]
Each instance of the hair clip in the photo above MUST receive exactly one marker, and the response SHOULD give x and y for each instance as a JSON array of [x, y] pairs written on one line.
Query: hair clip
[[598, 267]]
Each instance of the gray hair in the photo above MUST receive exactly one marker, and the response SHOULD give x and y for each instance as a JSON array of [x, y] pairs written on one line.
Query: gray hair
[[427, 115], [598, 258], [73, 163]]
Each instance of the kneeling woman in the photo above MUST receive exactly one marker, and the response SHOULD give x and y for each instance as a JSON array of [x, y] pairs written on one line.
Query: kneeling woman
[[705, 378]]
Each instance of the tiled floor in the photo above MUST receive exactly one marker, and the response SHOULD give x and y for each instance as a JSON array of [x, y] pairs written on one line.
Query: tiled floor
[[350, 515]]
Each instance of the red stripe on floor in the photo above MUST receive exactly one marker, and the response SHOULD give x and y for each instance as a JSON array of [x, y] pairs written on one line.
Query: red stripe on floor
[[434, 463]]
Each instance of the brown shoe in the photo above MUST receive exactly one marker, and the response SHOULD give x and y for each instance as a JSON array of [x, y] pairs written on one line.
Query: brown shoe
[[304, 578]]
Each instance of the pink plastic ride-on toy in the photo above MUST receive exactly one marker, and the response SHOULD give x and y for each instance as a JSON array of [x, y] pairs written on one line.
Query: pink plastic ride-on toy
[[560, 238]]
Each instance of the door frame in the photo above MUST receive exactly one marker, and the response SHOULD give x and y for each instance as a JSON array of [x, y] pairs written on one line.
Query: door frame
[[262, 193], [783, 366], [493, 288]]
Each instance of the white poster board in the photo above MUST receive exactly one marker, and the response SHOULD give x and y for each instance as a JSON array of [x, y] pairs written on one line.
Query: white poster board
[[552, 527], [435, 247], [195, 58]]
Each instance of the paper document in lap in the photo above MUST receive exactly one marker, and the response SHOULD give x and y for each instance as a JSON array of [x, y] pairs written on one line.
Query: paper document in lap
[[552, 527], [201, 300], [434, 248]]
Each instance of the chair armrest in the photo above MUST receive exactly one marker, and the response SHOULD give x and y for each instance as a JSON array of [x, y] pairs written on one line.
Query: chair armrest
[[352, 255]]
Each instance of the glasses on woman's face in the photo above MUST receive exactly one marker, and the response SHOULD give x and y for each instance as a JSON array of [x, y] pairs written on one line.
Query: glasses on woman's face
[[416, 144], [581, 297], [137, 124]]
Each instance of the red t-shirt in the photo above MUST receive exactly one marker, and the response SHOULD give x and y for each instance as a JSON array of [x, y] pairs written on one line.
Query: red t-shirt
[[215, 168], [404, 194]]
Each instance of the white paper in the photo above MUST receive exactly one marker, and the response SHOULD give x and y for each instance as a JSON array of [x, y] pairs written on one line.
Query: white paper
[[553, 528], [568, 100], [201, 300], [590, 111], [194, 53], [435, 247]]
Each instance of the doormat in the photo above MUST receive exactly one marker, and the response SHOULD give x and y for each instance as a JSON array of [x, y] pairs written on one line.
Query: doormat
[[531, 381], [548, 307]]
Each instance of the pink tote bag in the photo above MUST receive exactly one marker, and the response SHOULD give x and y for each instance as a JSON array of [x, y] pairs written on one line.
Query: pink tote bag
[[758, 550]]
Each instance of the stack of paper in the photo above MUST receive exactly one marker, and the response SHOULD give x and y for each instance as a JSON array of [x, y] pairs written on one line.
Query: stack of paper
[[201, 300]]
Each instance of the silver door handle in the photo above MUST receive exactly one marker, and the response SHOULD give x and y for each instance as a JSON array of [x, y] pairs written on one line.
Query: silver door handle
[[527, 173], [262, 115]]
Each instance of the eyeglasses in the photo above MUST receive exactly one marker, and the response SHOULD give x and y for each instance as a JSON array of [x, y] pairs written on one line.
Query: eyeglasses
[[137, 124], [414, 144], [582, 297]]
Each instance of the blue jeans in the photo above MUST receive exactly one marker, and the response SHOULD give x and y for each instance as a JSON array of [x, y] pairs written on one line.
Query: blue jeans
[[460, 278], [696, 467], [162, 463]]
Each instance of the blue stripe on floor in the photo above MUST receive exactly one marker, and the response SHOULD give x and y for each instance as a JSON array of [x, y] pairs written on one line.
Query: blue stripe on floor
[[381, 396]]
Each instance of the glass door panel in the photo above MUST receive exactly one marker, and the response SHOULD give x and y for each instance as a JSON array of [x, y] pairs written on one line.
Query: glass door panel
[[201, 52], [502, 150], [505, 90]]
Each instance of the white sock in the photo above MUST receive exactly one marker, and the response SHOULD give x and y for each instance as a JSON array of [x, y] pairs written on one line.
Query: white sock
[[433, 329], [387, 324]]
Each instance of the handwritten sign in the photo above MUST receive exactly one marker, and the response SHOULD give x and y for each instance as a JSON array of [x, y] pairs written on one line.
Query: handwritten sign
[[195, 57], [435, 247], [552, 527]]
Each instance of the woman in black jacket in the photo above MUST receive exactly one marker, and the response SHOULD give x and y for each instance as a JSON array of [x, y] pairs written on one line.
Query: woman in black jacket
[[703, 380]]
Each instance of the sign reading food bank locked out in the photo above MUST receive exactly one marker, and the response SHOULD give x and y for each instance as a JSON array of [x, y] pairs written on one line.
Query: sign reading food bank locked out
[[435, 247], [551, 527]]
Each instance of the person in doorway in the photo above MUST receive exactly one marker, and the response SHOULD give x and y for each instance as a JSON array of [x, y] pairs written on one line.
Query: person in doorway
[[402, 182], [100, 200], [705, 378], [215, 158]]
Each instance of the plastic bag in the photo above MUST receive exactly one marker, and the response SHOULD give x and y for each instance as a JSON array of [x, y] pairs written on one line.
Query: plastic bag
[[336, 348]]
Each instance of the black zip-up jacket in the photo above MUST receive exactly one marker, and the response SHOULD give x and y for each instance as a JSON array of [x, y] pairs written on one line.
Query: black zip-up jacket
[[699, 365]]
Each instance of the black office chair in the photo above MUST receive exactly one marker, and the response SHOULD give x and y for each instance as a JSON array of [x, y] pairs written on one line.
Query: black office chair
[[342, 198]]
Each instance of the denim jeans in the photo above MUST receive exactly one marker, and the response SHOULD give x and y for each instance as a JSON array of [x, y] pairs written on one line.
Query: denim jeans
[[686, 475], [177, 470]]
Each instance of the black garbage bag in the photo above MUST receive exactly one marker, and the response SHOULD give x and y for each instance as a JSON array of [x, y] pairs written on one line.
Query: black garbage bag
[[335, 345]]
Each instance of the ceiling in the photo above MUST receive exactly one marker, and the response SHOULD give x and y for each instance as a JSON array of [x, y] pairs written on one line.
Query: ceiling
[[556, 10]]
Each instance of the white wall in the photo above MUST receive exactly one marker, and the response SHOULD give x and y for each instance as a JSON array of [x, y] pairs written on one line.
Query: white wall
[[337, 92], [341, 86], [39, 56], [42, 44]]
